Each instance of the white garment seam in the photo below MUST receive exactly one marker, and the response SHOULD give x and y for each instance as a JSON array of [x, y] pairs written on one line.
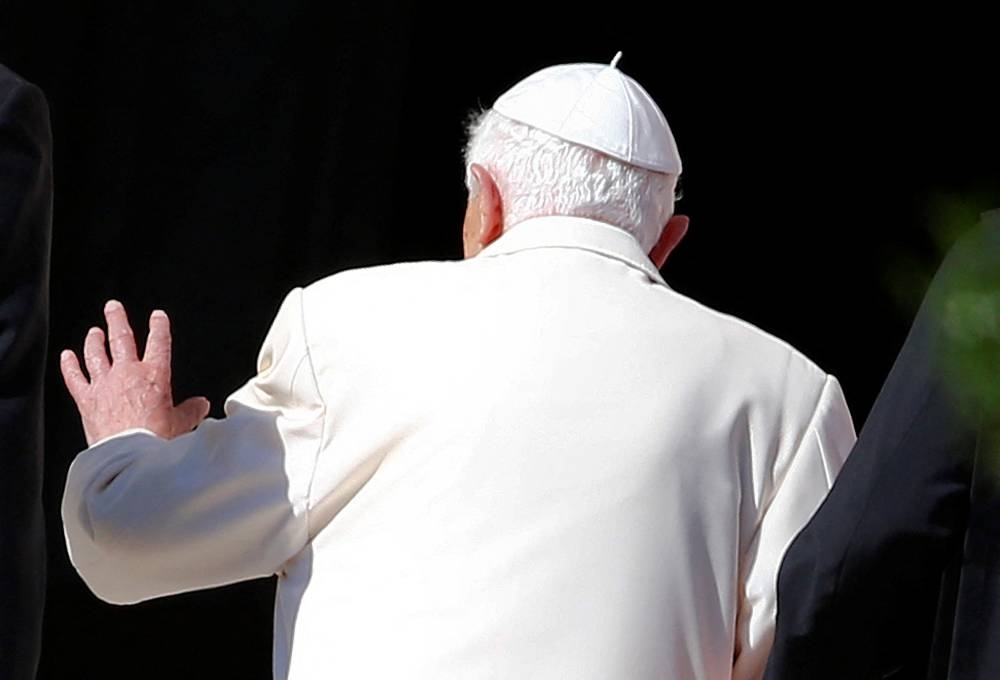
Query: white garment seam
[[322, 401], [776, 484]]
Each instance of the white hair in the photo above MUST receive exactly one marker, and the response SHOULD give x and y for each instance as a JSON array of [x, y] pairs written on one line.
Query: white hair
[[539, 174]]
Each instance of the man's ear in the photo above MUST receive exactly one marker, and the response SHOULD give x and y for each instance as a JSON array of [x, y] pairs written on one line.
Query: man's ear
[[489, 205], [671, 235]]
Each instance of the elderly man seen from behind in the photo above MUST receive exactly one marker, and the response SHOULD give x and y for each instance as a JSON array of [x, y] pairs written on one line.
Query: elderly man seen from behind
[[539, 462]]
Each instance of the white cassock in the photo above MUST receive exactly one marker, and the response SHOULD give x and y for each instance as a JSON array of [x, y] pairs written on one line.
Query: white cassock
[[538, 463]]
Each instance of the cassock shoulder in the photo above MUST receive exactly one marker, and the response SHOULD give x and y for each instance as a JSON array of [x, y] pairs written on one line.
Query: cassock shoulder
[[391, 294], [774, 370], [385, 279]]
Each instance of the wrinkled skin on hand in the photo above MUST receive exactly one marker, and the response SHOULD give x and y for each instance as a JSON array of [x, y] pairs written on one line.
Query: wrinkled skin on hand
[[123, 391]]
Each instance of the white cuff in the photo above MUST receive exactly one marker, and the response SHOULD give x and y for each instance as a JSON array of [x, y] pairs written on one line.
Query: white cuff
[[123, 433]]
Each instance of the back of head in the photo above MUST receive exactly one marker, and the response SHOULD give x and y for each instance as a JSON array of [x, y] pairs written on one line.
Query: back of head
[[580, 140]]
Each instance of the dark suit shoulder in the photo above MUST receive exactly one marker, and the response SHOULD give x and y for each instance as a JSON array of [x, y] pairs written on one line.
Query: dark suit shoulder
[[25, 128], [17, 93]]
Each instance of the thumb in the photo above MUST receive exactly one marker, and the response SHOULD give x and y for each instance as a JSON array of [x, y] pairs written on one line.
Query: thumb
[[189, 413]]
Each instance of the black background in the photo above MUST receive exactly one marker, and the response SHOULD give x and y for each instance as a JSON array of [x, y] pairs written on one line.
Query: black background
[[209, 156]]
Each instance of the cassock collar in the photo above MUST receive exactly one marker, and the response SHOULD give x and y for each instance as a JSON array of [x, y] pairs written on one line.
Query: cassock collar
[[560, 231]]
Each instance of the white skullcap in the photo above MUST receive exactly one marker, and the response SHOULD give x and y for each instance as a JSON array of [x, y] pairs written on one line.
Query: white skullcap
[[596, 106]]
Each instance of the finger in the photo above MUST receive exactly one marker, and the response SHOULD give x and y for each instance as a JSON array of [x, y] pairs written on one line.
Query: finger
[[157, 353], [94, 354], [120, 336], [76, 381], [189, 413]]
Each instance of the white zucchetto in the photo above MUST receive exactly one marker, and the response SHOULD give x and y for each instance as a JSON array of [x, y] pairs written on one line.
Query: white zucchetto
[[596, 106]]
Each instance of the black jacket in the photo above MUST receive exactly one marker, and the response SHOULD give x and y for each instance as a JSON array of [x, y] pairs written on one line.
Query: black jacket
[[898, 573], [25, 229]]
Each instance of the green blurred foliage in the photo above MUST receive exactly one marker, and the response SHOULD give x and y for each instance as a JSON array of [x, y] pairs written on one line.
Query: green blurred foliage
[[964, 300]]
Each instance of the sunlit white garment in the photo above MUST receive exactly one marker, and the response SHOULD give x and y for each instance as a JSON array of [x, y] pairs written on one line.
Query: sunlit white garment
[[538, 463]]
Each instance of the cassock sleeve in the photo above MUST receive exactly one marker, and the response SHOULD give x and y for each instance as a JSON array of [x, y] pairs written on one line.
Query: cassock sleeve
[[802, 478], [146, 517]]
